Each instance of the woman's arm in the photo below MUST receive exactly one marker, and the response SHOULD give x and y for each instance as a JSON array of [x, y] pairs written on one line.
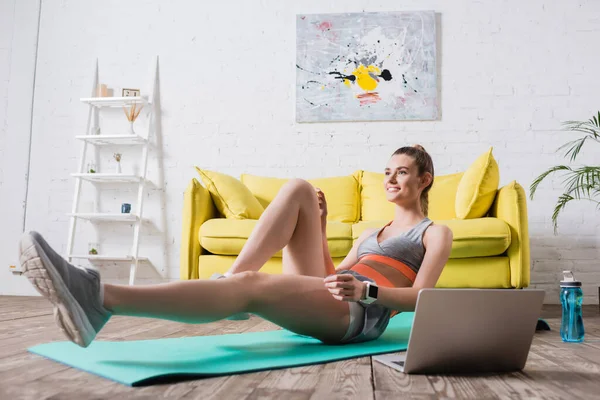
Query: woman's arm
[[438, 243]]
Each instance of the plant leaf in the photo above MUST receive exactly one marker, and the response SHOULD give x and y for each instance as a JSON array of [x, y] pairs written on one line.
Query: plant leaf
[[582, 180], [590, 128], [580, 183], [539, 179], [560, 205], [574, 150]]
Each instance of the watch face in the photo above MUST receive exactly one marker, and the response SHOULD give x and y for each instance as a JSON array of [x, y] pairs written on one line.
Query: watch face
[[373, 290]]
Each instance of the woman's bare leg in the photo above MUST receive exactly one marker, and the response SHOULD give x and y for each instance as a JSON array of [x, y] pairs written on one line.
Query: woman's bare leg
[[83, 304], [291, 221], [301, 304]]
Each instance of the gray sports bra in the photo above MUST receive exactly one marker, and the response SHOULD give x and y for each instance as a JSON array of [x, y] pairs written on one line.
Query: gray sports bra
[[406, 247]]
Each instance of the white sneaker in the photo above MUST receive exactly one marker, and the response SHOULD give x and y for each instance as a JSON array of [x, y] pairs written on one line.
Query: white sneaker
[[235, 317]]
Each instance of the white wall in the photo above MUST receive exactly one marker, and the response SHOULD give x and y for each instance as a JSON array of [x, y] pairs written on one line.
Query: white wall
[[7, 11], [19, 22], [510, 72]]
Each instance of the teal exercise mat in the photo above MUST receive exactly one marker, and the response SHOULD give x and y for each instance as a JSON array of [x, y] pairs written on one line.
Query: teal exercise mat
[[144, 362]]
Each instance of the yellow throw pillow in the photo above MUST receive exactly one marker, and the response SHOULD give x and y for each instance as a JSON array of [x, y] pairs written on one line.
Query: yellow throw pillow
[[262, 187], [477, 188], [231, 197], [342, 193], [374, 203], [442, 196]]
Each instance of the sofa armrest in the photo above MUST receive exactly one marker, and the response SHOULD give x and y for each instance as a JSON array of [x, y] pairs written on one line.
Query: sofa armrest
[[198, 207], [510, 205]]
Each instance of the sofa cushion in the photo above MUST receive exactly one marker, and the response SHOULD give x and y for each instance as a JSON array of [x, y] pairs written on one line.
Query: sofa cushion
[[341, 192], [343, 197], [442, 196], [477, 188], [375, 205], [262, 187], [479, 237], [231, 197], [227, 236]]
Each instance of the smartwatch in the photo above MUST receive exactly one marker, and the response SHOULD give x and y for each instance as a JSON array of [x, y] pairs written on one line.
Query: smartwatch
[[371, 293]]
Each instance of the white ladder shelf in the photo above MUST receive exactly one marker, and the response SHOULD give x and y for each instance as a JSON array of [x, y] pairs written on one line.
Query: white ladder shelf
[[91, 138]]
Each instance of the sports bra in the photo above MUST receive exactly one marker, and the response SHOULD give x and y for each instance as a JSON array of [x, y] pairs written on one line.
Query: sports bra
[[407, 247], [404, 253]]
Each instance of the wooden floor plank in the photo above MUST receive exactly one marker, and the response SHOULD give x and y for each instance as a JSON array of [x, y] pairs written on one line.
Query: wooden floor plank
[[389, 380], [223, 387], [346, 379], [554, 369]]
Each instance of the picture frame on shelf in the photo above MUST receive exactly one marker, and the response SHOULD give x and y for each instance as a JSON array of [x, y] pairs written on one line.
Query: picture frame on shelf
[[130, 92]]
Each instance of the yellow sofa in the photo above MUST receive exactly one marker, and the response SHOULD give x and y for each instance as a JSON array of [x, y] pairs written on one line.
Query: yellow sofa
[[491, 251]]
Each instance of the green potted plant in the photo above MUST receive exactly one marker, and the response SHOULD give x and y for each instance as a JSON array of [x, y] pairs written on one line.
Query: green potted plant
[[93, 249], [581, 183]]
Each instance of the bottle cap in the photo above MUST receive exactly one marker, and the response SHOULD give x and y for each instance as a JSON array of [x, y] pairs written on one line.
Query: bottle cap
[[569, 280]]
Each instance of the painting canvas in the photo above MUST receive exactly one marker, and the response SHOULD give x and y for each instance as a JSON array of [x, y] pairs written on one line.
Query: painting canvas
[[366, 66]]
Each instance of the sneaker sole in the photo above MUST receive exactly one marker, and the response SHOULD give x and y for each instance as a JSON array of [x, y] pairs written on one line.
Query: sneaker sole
[[68, 314]]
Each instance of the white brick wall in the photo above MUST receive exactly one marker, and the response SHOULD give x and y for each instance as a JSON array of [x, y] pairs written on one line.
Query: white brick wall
[[509, 73]]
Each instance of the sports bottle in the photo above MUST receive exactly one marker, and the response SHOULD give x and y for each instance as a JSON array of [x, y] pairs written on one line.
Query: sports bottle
[[571, 297]]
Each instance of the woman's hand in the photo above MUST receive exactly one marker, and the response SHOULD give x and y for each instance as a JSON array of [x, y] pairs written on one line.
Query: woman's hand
[[322, 205], [345, 287]]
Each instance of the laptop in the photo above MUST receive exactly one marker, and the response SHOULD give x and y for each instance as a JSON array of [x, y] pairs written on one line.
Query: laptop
[[469, 330]]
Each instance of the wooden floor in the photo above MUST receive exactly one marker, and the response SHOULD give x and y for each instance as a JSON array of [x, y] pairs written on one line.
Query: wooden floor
[[554, 370]]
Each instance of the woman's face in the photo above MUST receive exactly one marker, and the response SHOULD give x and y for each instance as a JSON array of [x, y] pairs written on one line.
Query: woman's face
[[401, 181]]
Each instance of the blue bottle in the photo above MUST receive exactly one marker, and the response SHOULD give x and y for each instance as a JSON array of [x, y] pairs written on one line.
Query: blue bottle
[[571, 297]]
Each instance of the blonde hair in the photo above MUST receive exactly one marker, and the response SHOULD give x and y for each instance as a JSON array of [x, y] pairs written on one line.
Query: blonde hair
[[424, 164]]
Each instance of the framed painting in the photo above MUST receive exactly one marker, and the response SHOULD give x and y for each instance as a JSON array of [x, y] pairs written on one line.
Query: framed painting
[[366, 66]]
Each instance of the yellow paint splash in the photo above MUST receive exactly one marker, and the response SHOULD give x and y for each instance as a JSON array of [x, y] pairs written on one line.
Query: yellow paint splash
[[363, 79]]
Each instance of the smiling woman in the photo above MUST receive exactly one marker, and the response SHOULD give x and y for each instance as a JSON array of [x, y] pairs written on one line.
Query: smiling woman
[[379, 278], [407, 166], [402, 257]]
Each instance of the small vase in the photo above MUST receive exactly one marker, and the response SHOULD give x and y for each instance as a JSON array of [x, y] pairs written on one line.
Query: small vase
[[131, 131], [118, 167]]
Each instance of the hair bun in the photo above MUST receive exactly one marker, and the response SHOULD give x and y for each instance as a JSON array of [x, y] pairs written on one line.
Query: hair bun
[[418, 146]]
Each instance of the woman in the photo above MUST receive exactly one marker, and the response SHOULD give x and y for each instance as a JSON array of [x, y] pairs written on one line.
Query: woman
[[310, 297]]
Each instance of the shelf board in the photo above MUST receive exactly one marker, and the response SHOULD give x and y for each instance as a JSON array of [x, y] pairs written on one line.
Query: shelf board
[[101, 257], [106, 217], [103, 177], [112, 139], [114, 101]]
